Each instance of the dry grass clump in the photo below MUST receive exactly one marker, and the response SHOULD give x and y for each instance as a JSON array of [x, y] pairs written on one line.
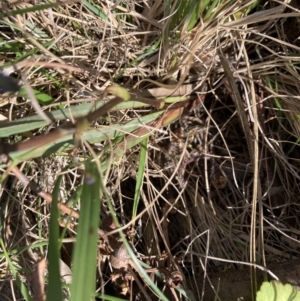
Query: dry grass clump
[[214, 185]]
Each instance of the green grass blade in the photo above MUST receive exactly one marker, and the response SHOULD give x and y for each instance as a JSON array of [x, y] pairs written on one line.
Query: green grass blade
[[140, 176], [41, 97], [37, 30], [209, 7], [96, 10], [20, 250], [136, 262], [193, 14], [142, 272], [92, 136], [21, 285], [30, 9], [54, 291], [187, 15], [34, 122], [22, 55], [148, 52], [85, 253]]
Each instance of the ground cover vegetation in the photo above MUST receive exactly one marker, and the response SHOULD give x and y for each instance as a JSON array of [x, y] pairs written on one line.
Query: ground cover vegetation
[[149, 149]]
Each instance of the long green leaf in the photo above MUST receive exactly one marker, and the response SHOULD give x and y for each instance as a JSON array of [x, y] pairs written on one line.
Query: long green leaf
[[85, 253], [36, 122], [140, 177], [92, 136]]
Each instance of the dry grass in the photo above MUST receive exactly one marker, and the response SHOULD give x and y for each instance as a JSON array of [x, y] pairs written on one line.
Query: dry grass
[[233, 199]]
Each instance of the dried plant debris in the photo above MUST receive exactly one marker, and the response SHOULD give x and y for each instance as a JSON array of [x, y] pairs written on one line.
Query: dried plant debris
[[195, 206]]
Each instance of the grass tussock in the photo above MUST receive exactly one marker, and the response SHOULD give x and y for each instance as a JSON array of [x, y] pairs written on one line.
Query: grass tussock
[[173, 125]]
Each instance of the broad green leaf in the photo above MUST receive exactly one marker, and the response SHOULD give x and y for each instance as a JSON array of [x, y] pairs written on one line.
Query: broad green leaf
[[276, 291]]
